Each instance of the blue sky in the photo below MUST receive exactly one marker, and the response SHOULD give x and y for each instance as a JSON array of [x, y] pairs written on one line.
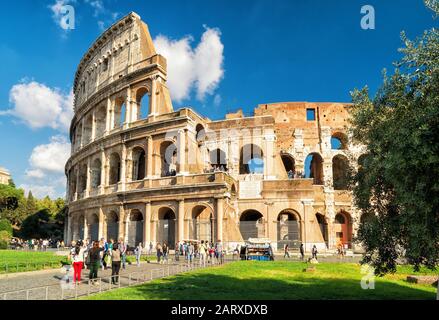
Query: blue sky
[[271, 51]]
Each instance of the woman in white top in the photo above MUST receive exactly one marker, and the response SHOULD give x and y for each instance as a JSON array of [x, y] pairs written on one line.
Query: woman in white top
[[77, 257]]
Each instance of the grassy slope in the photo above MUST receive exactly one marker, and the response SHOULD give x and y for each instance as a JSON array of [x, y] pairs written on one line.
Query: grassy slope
[[28, 260], [275, 280]]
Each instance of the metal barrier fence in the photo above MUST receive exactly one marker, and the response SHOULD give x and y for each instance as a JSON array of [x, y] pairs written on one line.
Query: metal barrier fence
[[102, 284]]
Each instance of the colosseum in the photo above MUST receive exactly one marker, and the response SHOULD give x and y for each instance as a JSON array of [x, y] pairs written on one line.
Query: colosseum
[[141, 170]]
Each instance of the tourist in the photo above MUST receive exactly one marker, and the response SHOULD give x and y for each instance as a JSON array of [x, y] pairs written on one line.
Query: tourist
[[158, 250], [138, 253], [286, 253], [58, 245], [115, 263], [177, 251], [314, 252], [211, 255], [202, 250], [77, 258], [302, 252], [104, 245], [95, 259], [165, 252], [290, 174], [123, 251], [190, 252], [219, 252], [150, 248]]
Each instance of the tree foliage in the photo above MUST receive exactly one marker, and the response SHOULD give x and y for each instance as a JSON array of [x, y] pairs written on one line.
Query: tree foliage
[[397, 183]]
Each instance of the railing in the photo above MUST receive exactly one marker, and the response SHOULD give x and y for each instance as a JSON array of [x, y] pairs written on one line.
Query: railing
[[102, 284]]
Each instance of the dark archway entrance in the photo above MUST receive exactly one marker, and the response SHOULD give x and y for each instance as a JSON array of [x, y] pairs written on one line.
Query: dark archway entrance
[[112, 226], [166, 227], [288, 229], [251, 224], [135, 228], [93, 227]]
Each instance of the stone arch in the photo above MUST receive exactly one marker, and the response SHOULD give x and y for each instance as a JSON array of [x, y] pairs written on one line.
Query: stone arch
[[339, 141], [314, 167], [114, 172], [96, 167], [289, 164], [100, 121], [200, 133], [251, 224], [251, 159], [138, 163], [93, 226], [88, 128], [288, 229], [168, 155], [340, 172], [343, 228], [135, 222], [120, 112], [112, 219], [217, 159], [143, 102], [202, 226], [166, 226], [82, 178], [80, 223]]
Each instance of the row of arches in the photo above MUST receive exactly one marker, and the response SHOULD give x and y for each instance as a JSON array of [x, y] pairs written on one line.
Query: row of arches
[[95, 125]]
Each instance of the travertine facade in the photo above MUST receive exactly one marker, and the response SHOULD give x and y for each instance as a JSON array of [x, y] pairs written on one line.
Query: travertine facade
[[142, 171]]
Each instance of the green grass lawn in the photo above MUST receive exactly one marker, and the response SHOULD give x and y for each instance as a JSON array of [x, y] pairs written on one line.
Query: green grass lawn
[[19, 261], [275, 280]]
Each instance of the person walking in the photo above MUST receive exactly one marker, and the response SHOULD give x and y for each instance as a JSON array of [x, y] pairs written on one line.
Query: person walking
[[286, 253], [190, 252], [115, 263], [151, 246], [123, 252], [159, 252], [314, 252], [165, 252], [202, 250], [219, 252], [302, 252], [177, 251], [77, 257], [138, 253], [95, 259]]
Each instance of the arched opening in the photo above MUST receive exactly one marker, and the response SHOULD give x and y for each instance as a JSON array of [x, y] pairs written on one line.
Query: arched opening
[[202, 226], [81, 222], [314, 168], [135, 228], [114, 168], [82, 178], [288, 229], [340, 172], [143, 103], [251, 159], [200, 135], [88, 128], [166, 227], [168, 154], [233, 192], [93, 227], [119, 113], [343, 229], [72, 183], [251, 224], [323, 227], [289, 165], [96, 173], [100, 118], [78, 139], [218, 160], [112, 225], [339, 141], [139, 163]]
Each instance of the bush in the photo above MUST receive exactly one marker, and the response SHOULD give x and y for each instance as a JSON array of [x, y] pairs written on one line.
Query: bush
[[3, 245], [5, 225], [5, 236]]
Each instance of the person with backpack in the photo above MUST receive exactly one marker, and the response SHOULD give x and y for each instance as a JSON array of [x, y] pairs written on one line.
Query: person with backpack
[[159, 252], [95, 259], [123, 252], [115, 263]]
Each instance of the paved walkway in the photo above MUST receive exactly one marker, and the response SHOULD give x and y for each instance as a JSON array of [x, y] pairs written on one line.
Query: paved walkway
[[49, 284]]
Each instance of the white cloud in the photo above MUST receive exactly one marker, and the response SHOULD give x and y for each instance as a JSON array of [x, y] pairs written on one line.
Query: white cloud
[[35, 173], [59, 13], [39, 106], [41, 191], [217, 100], [50, 157], [200, 68]]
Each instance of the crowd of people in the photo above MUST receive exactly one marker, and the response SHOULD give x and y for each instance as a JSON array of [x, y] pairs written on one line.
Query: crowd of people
[[36, 244]]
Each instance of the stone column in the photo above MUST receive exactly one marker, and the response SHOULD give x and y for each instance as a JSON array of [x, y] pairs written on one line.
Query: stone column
[[307, 212], [219, 218], [121, 223], [103, 166], [85, 226], [128, 110], [149, 150], [77, 183], [108, 118], [147, 224], [82, 132], [181, 151], [101, 223], [268, 156], [88, 182], [68, 238], [93, 126], [123, 164], [180, 222], [153, 99]]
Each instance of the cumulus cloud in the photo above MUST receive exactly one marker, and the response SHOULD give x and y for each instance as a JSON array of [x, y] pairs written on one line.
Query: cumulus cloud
[[39, 106], [59, 11], [46, 173], [200, 68], [50, 157]]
